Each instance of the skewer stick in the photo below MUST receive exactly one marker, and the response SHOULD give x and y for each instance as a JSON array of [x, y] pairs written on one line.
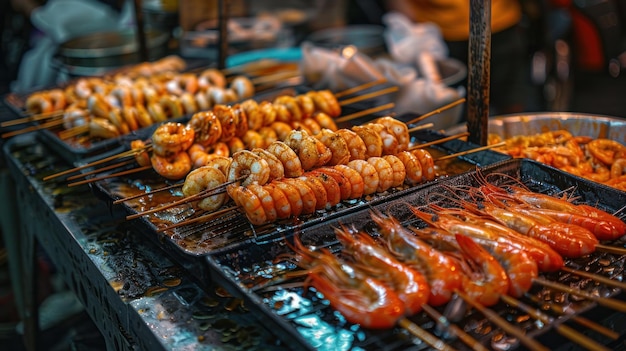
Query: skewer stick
[[531, 343], [74, 131], [31, 118], [198, 219], [46, 125], [453, 328], [200, 195], [585, 322], [439, 141], [596, 277], [482, 148], [562, 329], [169, 187], [368, 96], [109, 167], [112, 175], [359, 88], [611, 249], [605, 301], [423, 335], [95, 163], [421, 126], [274, 77], [365, 112], [437, 111]]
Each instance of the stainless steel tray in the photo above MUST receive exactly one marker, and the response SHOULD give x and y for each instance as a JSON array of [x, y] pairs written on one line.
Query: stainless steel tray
[[595, 126]]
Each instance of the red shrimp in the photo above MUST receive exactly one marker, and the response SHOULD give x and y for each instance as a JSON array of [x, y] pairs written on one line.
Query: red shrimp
[[442, 272], [545, 256], [603, 230], [617, 226], [375, 261], [520, 268], [567, 240], [488, 280], [360, 299]]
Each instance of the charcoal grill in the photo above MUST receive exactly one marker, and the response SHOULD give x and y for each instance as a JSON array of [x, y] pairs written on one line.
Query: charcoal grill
[[304, 318]]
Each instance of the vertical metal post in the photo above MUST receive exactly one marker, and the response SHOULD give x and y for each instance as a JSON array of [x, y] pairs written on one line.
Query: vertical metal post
[[141, 33], [223, 15], [479, 57]]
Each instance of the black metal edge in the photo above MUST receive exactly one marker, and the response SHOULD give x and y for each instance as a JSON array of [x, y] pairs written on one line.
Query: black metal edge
[[278, 325]]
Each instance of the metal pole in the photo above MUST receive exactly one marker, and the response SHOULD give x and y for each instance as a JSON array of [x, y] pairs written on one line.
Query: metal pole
[[141, 34], [479, 57], [223, 14]]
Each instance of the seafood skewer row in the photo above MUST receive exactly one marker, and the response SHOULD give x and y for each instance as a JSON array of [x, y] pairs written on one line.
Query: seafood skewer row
[[126, 109], [224, 131], [277, 186], [411, 263]]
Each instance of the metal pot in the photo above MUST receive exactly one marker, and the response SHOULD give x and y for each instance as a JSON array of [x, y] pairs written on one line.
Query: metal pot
[[94, 54]]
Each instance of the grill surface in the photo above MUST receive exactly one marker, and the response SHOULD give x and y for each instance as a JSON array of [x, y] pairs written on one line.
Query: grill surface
[[305, 317]]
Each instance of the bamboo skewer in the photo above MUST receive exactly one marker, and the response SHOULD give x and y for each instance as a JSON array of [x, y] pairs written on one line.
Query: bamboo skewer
[[421, 127], [359, 88], [617, 305], [364, 112], [46, 125], [439, 141], [423, 335], [531, 343], [596, 277], [368, 96], [198, 219], [562, 329], [112, 175], [611, 249], [454, 329], [127, 153], [32, 118], [274, 77], [462, 153], [200, 195], [74, 131], [169, 187], [437, 111], [106, 168], [578, 319]]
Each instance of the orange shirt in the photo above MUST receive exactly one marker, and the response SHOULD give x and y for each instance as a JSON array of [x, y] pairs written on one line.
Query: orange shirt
[[452, 16]]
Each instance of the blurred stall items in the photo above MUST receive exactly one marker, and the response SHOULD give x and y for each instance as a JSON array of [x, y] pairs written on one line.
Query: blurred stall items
[[510, 75], [57, 21]]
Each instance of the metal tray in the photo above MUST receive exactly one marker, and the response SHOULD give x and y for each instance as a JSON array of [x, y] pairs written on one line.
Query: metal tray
[[233, 229], [305, 321], [579, 124]]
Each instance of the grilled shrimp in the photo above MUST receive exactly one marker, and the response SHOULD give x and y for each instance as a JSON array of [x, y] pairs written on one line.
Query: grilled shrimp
[[247, 200], [309, 200], [203, 179], [427, 162], [337, 146], [173, 167], [288, 157], [355, 144], [373, 141], [397, 168], [228, 120], [247, 164], [368, 173], [355, 179], [410, 285], [399, 129], [442, 272], [172, 138], [385, 173], [359, 298], [277, 170], [389, 141]]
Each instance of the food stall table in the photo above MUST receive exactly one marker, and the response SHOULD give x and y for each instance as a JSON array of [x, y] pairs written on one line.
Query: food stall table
[[136, 295]]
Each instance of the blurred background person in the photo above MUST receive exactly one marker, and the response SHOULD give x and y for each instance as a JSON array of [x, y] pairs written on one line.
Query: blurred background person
[[511, 90]]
